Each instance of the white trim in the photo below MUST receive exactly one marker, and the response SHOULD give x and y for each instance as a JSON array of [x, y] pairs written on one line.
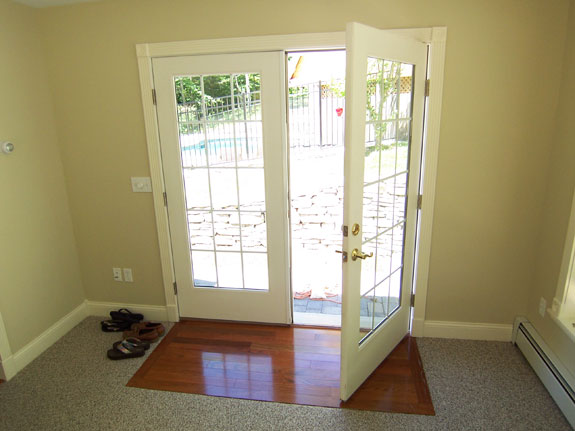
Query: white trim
[[430, 157], [467, 330], [242, 44], [150, 312], [435, 36], [17, 361], [8, 368], [5, 351], [158, 187]]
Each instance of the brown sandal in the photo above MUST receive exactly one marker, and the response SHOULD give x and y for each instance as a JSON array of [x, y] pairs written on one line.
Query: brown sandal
[[143, 334], [150, 325]]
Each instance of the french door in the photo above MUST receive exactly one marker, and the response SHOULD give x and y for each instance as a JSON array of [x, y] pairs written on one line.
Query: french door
[[222, 132], [385, 82]]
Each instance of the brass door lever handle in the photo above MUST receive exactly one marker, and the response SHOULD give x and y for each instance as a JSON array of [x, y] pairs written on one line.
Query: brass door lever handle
[[355, 254]]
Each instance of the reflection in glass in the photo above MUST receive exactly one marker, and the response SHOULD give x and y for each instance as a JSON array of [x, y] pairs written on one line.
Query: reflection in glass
[[387, 142], [221, 147]]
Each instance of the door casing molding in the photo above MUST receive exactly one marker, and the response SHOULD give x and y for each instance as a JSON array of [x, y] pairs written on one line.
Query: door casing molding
[[435, 37]]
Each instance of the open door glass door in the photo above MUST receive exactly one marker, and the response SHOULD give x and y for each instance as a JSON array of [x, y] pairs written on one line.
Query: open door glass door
[[385, 88]]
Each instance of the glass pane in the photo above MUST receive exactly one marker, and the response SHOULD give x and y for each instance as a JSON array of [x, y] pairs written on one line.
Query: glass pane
[[230, 270], [200, 227], [397, 247], [252, 189], [188, 98], [221, 144], [388, 151], [370, 211], [197, 188], [367, 268], [254, 233], [227, 230], [380, 306], [256, 271], [383, 257], [394, 292], [204, 269], [247, 97], [405, 90], [399, 198], [385, 205], [372, 156], [402, 144], [249, 139], [366, 313], [224, 189], [192, 145]]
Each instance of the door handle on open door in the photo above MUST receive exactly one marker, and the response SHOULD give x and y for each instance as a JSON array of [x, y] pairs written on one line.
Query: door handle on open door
[[355, 254]]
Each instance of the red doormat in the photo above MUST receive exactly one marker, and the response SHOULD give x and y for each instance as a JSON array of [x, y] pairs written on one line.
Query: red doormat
[[281, 364]]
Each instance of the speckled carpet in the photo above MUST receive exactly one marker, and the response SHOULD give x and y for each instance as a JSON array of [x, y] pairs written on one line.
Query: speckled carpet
[[475, 385]]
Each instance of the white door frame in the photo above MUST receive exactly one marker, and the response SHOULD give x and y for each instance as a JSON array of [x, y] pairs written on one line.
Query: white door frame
[[435, 37]]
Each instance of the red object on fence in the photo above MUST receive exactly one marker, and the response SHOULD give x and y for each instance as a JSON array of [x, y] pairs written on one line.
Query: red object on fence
[[339, 111]]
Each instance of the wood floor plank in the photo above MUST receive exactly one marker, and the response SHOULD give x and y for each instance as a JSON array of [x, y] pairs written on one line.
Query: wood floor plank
[[281, 364]]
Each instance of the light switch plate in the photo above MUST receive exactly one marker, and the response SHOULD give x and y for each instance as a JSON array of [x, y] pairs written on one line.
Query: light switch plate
[[142, 184]]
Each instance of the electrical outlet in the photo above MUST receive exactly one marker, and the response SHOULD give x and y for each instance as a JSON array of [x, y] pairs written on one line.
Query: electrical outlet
[[117, 274], [128, 275], [542, 306]]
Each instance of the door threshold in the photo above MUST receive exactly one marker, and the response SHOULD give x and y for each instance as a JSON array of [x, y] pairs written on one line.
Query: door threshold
[[309, 326], [198, 319]]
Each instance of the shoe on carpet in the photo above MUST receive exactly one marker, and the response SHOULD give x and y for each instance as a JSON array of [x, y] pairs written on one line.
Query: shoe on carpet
[[144, 334], [152, 325], [134, 342], [115, 325], [124, 350], [126, 315]]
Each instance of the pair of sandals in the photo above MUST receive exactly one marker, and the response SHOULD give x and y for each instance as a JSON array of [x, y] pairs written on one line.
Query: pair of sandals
[[121, 320], [136, 341], [137, 334]]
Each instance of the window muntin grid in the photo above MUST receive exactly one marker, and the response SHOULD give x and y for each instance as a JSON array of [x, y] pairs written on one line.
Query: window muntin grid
[[386, 173], [221, 146]]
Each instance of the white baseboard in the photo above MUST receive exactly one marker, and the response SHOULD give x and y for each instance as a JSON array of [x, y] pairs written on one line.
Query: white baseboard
[[465, 330], [7, 368], [18, 360], [417, 327], [150, 312]]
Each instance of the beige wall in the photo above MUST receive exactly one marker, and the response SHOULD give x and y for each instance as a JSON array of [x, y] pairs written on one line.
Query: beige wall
[[501, 86], [39, 270], [560, 190]]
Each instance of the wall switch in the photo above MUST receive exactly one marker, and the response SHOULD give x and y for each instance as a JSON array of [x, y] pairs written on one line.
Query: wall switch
[[117, 274], [542, 306], [141, 184], [128, 275]]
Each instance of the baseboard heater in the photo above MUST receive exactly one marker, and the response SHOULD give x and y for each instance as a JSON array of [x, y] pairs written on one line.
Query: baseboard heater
[[546, 365]]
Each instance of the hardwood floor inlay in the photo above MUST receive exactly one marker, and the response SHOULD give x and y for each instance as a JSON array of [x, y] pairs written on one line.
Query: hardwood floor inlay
[[281, 364]]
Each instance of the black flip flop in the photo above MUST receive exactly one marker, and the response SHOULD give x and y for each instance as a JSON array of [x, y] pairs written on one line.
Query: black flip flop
[[134, 342], [115, 325], [126, 315], [124, 350]]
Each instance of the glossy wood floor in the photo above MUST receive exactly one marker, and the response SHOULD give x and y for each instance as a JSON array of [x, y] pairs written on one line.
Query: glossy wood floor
[[282, 364]]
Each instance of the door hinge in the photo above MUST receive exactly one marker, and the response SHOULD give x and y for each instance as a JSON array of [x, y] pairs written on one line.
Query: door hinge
[[165, 199], [419, 201], [427, 87], [154, 100], [412, 300], [175, 288]]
